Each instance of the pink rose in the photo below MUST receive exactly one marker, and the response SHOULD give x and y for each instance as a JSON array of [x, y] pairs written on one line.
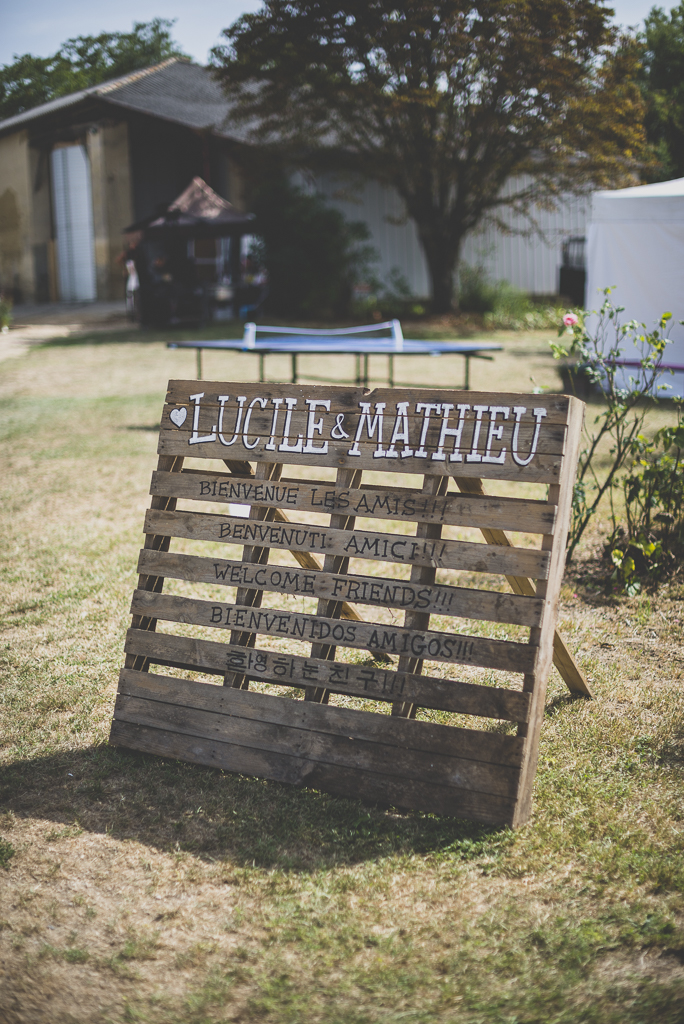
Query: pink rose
[[570, 319]]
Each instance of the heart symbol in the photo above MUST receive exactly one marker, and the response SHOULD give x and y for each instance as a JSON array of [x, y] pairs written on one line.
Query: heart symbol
[[178, 416]]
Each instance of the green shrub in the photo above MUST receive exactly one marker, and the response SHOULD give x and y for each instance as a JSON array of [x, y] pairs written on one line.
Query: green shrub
[[312, 254], [503, 306], [385, 301], [621, 420], [7, 851], [653, 541], [476, 293]]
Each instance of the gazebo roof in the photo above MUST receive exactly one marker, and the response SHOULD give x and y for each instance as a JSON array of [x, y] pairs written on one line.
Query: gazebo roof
[[197, 211]]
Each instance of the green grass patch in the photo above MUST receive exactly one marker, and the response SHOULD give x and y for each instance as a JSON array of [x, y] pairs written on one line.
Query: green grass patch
[[143, 888]]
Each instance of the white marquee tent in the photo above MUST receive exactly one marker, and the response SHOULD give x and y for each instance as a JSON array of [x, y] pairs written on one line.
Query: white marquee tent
[[636, 243]]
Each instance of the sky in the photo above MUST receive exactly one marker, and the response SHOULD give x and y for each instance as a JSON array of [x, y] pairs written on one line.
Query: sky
[[40, 26]]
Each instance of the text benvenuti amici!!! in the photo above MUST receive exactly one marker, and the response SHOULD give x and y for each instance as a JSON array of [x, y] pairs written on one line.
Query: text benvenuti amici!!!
[[370, 603]]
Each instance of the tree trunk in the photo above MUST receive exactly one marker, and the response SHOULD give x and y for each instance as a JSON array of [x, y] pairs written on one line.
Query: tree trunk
[[441, 256]]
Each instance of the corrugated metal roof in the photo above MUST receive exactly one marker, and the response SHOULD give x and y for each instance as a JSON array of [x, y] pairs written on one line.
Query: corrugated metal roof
[[175, 90]]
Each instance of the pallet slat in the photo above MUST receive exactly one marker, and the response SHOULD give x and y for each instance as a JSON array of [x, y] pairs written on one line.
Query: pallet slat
[[380, 547], [369, 681], [349, 751], [376, 503], [374, 591], [551, 439], [543, 469], [299, 771], [453, 741]]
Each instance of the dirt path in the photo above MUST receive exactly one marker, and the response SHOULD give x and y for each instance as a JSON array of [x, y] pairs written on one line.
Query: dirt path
[[33, 325]]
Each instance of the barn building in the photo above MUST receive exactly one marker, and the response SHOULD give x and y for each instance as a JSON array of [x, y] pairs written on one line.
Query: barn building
[[76, 171]]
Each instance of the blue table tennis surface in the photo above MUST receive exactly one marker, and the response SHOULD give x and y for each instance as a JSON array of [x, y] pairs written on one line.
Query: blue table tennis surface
[[364, 346]]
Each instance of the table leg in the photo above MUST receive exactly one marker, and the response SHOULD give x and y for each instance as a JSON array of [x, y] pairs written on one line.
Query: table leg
[[261, 367], [294, 367], [199, 364], [365, 369], [467, 374]]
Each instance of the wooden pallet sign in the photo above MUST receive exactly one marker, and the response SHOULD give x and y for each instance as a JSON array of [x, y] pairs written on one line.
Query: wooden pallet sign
[[356, 619]]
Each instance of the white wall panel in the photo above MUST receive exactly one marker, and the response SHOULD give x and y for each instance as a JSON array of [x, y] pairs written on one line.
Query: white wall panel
[[73, 211], [530, 263]]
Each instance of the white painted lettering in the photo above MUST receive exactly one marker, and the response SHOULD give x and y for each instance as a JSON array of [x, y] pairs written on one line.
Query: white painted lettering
[[400, 432], [276, 402], [539, 415], [285, 445], [473, 455], [496, 433], [315, 425], [195, 438], [263, 403], [447, 431], [426, 408], [372, 426]]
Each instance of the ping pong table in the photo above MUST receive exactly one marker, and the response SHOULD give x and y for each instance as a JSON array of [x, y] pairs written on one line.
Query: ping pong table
[[361, 342]]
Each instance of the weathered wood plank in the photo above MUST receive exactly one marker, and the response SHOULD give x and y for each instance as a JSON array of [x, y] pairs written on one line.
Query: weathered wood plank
[[345, 782], [437, 599], [536, 682], [402, 428], [549, 440], [345, 399], [471, 744], [348, 751], [156, 542], [407, 641], [253, 555], [544, 469], [407, 505], [371, 681], [421, 576], [381, 547], [336, 564]]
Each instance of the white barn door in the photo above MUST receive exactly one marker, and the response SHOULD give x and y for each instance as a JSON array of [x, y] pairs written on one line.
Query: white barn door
[[73, 210]]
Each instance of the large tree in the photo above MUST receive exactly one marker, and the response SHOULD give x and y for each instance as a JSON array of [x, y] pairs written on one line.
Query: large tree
[[81, 62], [663, 86], [443, 99]]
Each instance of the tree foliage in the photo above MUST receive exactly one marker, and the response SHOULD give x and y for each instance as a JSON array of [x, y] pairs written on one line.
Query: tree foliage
[[81, 62], [663, 86], [443, 99], [312, 253]]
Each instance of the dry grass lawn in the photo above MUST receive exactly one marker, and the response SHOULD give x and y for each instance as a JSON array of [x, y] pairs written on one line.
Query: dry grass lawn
[[138, 889]]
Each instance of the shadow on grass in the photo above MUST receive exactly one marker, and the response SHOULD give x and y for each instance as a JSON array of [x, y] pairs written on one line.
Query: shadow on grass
[[231, 329], [176, 806]]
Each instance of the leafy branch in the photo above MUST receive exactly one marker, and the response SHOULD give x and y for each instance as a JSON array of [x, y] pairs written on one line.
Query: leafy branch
[[628, 391]]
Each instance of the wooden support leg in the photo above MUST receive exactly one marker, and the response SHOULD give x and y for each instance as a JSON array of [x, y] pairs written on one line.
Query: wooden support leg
[[255, 556], [294, 367], [571, 674], [199, 364], [167, 464], [421, 575], [346, 479]]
